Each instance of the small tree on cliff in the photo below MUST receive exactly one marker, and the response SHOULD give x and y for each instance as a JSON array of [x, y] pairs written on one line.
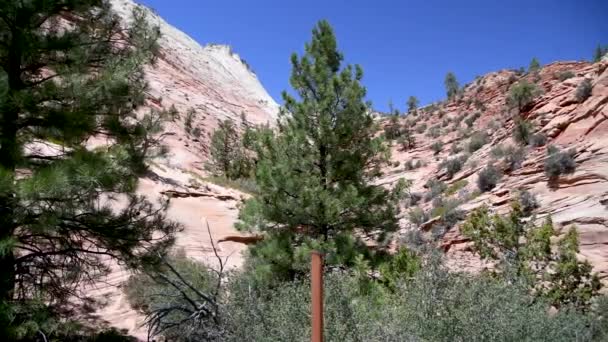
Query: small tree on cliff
[[315, 174], [451, 85], [534, 66], [228, 153], [521, 95], [412, 105], [60, 218]]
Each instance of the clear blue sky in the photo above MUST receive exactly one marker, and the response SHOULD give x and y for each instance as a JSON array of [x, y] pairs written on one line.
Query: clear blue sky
[[404, 47]]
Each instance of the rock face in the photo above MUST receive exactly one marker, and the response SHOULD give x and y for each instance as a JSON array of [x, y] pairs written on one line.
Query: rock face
[[579, 199], [216, 84]]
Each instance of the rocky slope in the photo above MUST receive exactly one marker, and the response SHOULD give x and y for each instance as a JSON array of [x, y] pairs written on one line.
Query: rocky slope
[[216, 84], [580, 198]]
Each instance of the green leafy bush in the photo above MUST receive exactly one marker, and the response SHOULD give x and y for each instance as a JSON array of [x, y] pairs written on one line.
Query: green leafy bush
[[513, 157], [436, 147], [538, 140], [522, 94], [453, 165], [564, 75], [522, 131], [435, 188]]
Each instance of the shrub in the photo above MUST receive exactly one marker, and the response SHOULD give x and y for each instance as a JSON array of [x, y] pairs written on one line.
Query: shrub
[[513, 157], [564, 75], [522, 131], [538, 140], [471, 119], [437, 146], [522, 94], [421, 128], [418, 216], [559, 162], [447, 210], [436, 188], [583, 91], [528, 202], [392, 130], [453, 165], [434, 132], [534, 66], [477, 141], [488, 178], [455, 187], [497, 151], [455, 148]]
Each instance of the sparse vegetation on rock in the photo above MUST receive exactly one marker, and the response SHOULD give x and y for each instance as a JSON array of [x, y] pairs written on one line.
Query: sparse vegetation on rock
[[522, 94], [559, 162], [583, 91], [451, 85], [488, 178], [477, 141]]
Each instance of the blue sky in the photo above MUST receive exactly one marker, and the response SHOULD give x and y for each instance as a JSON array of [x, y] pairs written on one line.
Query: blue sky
[[404, 47]]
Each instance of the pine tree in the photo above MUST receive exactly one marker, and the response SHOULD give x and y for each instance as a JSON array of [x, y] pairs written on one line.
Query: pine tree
[[315, 174], [451, 85], [599, 52], [65, 204], [228, 155], [534, 66], [412, 104]]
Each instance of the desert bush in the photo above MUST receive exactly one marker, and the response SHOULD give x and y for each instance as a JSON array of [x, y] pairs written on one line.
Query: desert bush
[[513, 157], [434, 132], [488, 178], [455, 148], [421, 128], [528, 202], [522, 131], [471, 119], [456, 187], [583, 91], [436, 147], [497, 151], [435, 188], [418, 216], [477, 140], [447, 209], [559, 162], [564, 75], [453, 165], [538, 140]]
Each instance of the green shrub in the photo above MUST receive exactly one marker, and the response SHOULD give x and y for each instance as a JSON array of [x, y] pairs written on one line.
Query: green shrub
[[584, 90], [453, 165], [455, 148], [471, 119], [497, 151], [436, 147], [528, 202], [559, 162], [522, 131], [434, 132], [477, 141], [488, 178], [522, 94], [455, 187], [418, 216]]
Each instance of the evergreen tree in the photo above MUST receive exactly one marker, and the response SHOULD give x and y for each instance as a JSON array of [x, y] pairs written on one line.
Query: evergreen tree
[[67, 206], [228, 154], [412, 104], [599, 52], [522, 94], [315, 174], [451, 85], [534, 66]]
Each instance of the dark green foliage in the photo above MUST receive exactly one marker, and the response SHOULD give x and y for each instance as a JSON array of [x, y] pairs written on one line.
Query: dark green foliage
[[521, 95], [584, 90], [451, 85], [392, 130], [412, 104], [599, 52], [406, 140], [315, 175], [403, 265], [488, 178], [534, 66], [477, 141], [522, 131], [525, 249], [538, 140], [61, 85], [229, 157]]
